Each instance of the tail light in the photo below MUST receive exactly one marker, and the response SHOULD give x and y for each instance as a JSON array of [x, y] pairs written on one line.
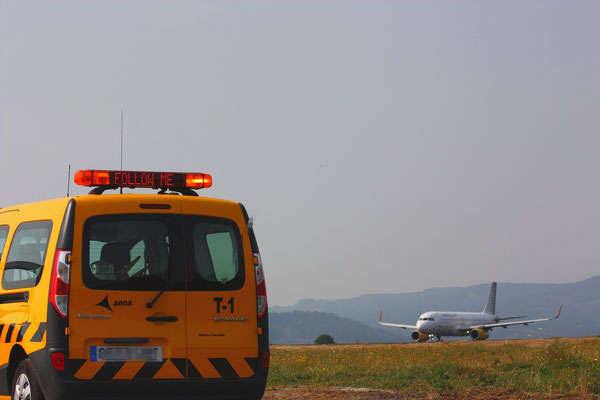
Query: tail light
[[261, 287], [58, 361], [59, 284], [266, 358]]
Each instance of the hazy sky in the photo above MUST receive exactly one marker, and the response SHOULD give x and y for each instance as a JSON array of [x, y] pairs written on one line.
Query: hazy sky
[[381, 146]]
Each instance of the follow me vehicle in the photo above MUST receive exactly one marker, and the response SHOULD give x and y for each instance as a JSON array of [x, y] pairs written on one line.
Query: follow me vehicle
[[136, 296]]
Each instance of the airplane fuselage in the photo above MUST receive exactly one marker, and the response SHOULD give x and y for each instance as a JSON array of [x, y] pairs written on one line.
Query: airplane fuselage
[[448, 323]]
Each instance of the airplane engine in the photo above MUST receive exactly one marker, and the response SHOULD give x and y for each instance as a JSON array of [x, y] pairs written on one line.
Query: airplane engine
[[479, 334], [418, 336]]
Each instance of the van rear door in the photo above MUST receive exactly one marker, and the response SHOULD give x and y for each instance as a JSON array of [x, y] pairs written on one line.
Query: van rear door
[[127, 306], [222, 335]]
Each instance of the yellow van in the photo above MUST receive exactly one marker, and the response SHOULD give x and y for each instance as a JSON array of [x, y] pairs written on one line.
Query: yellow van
[[136, 296]]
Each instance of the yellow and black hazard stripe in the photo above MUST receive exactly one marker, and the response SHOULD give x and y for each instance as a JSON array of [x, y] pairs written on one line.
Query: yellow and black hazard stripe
[[171, 368], [21, 331]]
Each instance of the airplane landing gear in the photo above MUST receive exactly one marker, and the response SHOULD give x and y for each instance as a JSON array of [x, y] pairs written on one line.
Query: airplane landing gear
[[435, 338]]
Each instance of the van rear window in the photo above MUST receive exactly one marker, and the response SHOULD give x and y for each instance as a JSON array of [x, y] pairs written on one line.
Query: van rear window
[[146, 252], [129, 252], [26, 255], [216, 259]]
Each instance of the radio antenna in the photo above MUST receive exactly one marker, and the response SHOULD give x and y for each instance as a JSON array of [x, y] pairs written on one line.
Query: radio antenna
[[69, 180], [121, 189]]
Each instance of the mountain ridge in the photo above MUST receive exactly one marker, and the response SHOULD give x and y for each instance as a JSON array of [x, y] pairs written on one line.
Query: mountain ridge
[[580, 301]]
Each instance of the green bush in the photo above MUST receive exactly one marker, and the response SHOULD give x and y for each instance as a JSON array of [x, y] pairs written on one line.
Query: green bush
[[324, 339]]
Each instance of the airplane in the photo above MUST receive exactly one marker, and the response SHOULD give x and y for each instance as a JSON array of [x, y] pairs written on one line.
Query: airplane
[[435, 324]]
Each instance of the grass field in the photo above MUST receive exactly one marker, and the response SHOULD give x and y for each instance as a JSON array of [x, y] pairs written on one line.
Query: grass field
[[544, 366]]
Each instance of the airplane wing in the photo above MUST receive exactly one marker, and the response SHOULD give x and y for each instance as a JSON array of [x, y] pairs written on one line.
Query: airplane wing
[[505, 324], [395, 325]]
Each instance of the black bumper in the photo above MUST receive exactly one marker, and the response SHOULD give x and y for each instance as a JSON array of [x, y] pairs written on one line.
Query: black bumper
[[57, 385], [4, 384]]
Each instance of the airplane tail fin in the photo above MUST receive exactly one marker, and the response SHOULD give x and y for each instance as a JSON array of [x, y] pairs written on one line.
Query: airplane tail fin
[[490, 306]]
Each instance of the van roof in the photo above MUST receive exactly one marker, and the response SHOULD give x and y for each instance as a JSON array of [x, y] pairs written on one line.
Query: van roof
[[92, 198]]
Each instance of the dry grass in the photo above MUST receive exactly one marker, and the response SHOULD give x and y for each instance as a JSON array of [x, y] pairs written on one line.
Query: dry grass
[[545, 366]]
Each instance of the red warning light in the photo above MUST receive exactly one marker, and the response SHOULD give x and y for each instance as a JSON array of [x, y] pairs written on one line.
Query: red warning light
[[92, 178], [198, 181]]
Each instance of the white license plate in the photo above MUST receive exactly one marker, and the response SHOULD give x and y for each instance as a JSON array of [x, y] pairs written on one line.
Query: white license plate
[[126, 353]]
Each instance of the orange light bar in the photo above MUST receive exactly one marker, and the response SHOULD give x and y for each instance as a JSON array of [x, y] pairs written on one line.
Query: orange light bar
[[92, 178], [198, 181], [133, 179]]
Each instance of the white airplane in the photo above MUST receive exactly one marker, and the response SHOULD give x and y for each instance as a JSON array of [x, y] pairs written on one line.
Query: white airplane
[[435, 324]]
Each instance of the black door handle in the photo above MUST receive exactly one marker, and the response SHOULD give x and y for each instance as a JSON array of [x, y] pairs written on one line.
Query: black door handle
[[169, 318], [21, 297]]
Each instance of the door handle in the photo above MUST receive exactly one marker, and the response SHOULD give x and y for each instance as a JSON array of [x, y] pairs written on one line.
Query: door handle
[[21, 297], [169, 318]]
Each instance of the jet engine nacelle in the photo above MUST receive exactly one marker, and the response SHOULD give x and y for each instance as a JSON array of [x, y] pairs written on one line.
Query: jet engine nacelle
[[418, 336], [479, 334]]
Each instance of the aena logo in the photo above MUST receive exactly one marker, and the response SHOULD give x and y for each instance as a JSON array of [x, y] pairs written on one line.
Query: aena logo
[[117, 303]]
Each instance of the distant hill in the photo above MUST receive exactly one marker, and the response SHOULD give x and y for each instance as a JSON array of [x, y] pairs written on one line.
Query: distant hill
[[580, 316], [303, 327]]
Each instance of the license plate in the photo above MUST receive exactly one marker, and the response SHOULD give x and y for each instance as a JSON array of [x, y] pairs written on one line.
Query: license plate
[[126, 353]]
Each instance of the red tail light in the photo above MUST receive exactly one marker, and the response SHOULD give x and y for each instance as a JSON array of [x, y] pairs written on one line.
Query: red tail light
[[261, 287], [266, 359], [58, 361], [59, 284]]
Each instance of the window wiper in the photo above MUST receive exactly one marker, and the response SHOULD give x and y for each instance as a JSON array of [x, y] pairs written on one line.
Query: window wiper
[[151, 303], [22, 265]]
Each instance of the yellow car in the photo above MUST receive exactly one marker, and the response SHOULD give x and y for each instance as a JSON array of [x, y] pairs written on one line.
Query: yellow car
[[136, 296]]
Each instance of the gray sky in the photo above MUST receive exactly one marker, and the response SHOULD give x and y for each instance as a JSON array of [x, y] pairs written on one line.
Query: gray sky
[[381, 146]]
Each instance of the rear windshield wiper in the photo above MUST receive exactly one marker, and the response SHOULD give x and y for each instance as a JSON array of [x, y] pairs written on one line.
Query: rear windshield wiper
[[151, 303]]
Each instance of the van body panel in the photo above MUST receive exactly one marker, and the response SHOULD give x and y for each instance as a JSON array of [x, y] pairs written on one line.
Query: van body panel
[[101, 320], [23, 311], [222, 328], [177, 332]]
